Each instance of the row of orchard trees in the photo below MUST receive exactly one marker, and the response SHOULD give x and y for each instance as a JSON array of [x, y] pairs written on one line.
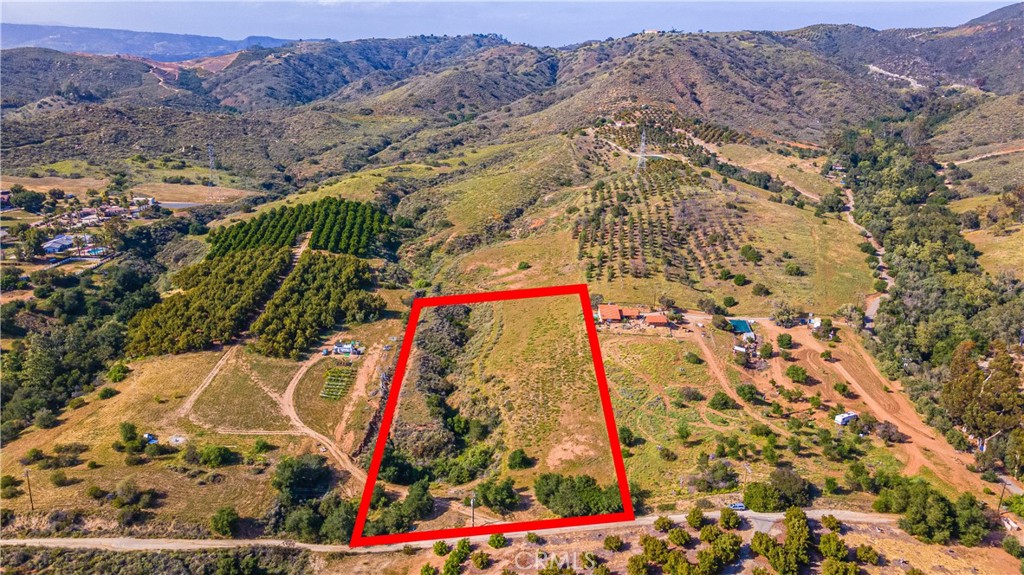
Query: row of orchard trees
[[322, 291], [338, 226], [218, 297]]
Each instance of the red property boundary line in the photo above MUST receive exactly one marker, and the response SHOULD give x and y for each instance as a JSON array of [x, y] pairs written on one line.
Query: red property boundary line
[[627, 514]]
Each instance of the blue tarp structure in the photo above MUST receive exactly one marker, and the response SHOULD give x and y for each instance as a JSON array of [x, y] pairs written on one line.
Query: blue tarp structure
[[740, 326]]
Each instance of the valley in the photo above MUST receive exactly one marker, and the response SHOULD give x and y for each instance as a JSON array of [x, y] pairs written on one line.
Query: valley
[[209, 269]]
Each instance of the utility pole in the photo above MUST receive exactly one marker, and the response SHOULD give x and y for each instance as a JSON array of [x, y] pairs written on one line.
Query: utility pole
[[472, 508], [642, 162], [213, 165], [28, 481]]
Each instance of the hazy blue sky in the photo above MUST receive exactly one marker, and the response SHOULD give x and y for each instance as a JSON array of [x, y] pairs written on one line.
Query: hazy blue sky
[[539, 23]]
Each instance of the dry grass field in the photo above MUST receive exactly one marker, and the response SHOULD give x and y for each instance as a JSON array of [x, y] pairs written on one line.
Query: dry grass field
[[195, 193], [149, 398], [802, 174], [1000, 253], [77, 186], [235, 400]]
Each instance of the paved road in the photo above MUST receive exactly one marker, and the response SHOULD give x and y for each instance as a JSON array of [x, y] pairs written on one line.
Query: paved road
[[760, 522]]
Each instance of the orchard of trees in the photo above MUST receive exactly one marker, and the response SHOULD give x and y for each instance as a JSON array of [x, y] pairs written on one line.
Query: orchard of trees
[[218, 298], [322, 291], [337, 225]]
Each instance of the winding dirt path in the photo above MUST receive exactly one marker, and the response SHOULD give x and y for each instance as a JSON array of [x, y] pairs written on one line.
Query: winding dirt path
[[186, 407], [288, 408], [994, 154], [873, 300]]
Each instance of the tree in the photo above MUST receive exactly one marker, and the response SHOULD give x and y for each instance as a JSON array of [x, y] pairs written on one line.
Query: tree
[[441, 548], [498, 495], [766, 350], [223, 521], [833, 566], [784, 314], [749, 253], [729, 519], [613, 543], [418, 502], [831, 545], [215, 455], [695, 518], [748, 392], [785, 341], [678, 536], [44, 419], [683, 431], [301, 478], [497, 541], [867, 554], [831, 523], [481, 560], [762, 498], [721, 401], [27, 200], [796, 374], [663, 524], [519, 460], [637, 565], [626, 436]]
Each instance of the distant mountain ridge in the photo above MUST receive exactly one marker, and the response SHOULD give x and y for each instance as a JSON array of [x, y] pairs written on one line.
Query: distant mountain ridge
[[154, 45], [308, 109]]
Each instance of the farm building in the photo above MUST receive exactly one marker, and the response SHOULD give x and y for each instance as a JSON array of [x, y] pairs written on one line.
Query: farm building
[[346, 348], [656, 319], [607, 313], [630, 313], [846, 418]]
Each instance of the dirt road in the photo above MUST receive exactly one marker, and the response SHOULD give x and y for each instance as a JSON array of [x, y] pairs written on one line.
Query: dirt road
[[760, 522], [186, 408], [994, 154]]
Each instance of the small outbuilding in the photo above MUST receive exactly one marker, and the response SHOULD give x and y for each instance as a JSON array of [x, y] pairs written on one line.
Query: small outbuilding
[[656, 320]]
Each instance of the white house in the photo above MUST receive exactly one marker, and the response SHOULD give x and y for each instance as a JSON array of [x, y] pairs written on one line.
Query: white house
[[58, 244]]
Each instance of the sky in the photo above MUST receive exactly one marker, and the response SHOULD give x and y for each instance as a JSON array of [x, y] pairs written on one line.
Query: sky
[[531, 22]]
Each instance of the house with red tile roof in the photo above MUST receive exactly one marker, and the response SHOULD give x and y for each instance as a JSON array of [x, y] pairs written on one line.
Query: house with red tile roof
[[609, 313], [656, 319]]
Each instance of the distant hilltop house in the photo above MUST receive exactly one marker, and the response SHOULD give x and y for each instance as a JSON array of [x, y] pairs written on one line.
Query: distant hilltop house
[[652, 31]]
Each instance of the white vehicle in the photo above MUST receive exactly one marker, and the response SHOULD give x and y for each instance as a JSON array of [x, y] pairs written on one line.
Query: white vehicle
[[846, 418]]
